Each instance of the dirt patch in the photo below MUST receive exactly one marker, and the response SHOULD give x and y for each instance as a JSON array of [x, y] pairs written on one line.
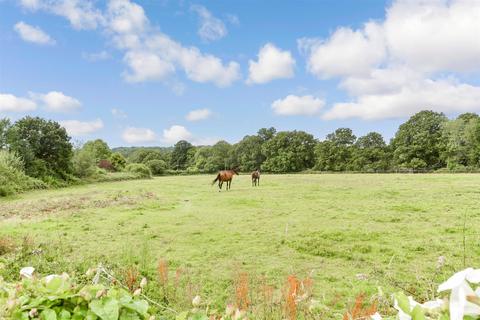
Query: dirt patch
[[46, 207]]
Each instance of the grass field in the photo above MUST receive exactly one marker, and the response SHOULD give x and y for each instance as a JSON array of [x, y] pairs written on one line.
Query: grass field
[[352, 233]]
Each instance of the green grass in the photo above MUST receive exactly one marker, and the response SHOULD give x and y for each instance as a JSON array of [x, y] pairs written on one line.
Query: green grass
[[390, 228]]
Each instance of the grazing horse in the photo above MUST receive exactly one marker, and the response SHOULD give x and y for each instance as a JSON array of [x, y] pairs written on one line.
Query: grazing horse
[[256, 178], [225, 176]]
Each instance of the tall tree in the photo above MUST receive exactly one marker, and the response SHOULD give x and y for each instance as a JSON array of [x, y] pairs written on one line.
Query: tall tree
[[289, 151], [249, 153], [183, 152], [418, 142], [335, 153], [99, 149], [371, 153], [44, 147]]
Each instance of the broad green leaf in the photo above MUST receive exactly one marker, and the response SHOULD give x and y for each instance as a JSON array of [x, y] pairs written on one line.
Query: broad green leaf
[[48, 314], [129, 315], [105, 309], [140, 306], [417, 313], [64, 315], [403, 303]]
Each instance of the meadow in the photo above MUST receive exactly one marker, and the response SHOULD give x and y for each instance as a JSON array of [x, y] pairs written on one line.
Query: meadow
[[350, 233]]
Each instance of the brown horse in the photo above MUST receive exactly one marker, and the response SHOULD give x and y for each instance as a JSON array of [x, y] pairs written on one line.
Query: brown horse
[[256, 178], [225, 176]]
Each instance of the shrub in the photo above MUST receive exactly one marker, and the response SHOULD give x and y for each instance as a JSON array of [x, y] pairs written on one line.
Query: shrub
[[106, 164], [118, 161], [58, 297], [157, 167], [140, 169], [84, 164], [12, 179]]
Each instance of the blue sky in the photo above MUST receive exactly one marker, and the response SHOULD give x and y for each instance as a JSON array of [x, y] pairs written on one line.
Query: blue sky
[[130, 72]]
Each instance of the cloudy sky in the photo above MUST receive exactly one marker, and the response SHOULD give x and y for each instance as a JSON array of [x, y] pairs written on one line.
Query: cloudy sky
[[152, 72]]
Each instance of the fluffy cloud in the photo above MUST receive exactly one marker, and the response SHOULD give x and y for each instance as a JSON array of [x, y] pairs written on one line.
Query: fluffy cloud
[[410, 61], [176, 133], [11, 103], [81, 128], [297, 105], [152, 55], [56, 101], [149, 54], [211, 28], [81, 14], [435, 35], [33, 34], [198, 114], [272, 63], [138, 135], [346, 52], [445, 95]]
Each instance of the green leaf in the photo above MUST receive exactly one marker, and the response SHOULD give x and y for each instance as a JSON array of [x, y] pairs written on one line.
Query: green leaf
[[417, 313], [140, 306], [105, 309], [64, 315], [129, 315], [48, 314], [403, 303]]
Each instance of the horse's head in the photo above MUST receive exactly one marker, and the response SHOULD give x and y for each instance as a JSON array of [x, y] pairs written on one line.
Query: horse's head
[[235, 170]]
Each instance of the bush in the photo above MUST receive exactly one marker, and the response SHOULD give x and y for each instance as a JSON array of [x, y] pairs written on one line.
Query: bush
[[118, 161], [106, 164], [58, 297], [84, 164], [12, 179], [139, 169], [157, 167]]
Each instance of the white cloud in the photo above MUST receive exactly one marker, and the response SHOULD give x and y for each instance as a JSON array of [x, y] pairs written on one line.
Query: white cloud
[[81, 14], [346, 52], [30, 4], [145, 66], [176, 133], [138, 135], [211, 28], [411, 61], [96, 56], [33, 34], [119, 114], [297, 105], [149, 54], [446, 95], [272, 63], [435, 35], [81, 128], [56, 101], [11, 103], [198, 114]]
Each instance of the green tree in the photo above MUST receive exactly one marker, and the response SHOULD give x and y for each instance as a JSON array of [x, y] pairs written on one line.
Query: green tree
[[84, 163], [99, 149], [248, 153], [461, 139], [157, 166], [221, 157], [266, 133], [44, 147], [289, 151], [118, 161], [336, 152], [4, 126], [418, 142], [371, 153], [182, 154]]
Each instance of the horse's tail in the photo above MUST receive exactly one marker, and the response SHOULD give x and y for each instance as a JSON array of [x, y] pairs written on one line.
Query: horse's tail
[[216, 179]]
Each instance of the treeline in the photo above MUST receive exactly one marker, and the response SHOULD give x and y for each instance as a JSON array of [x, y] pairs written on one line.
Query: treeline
[[428, 141], [37, 153]]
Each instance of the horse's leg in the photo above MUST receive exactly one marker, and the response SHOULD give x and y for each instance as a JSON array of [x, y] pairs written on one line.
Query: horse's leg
[[258, 181]]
